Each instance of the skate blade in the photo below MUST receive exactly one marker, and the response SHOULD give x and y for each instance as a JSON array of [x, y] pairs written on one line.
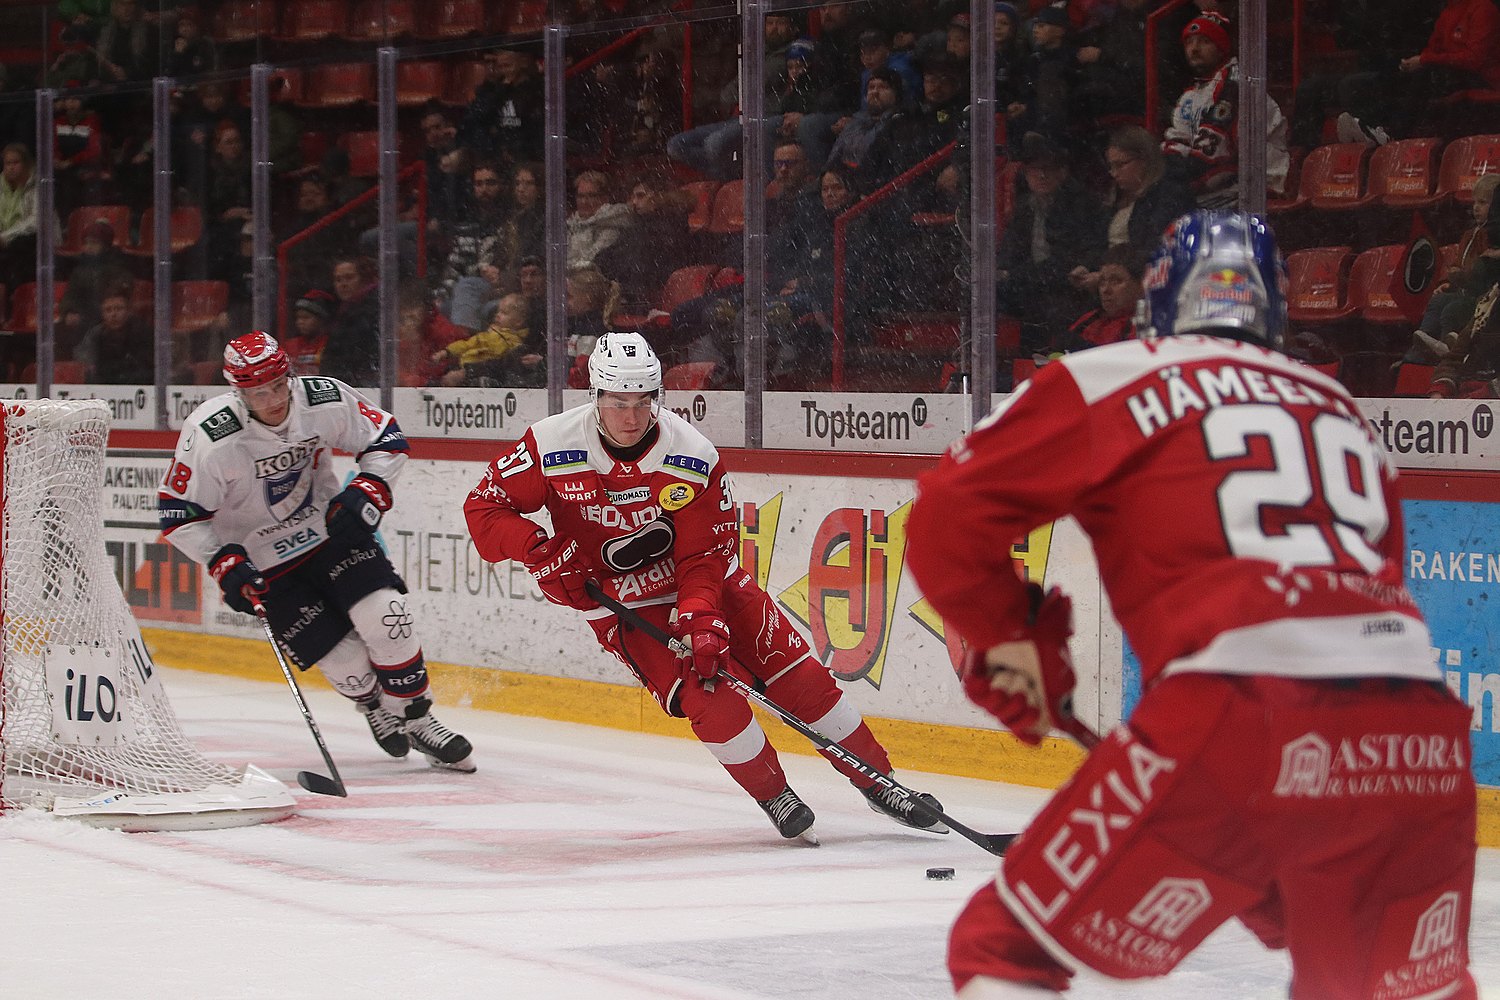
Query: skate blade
[[465, 766], [809, 837]]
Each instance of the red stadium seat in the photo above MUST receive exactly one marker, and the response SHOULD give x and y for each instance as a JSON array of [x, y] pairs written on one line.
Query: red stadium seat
[[729, 209], [450, 19], [117, 216], [689, 375], [1333, 177], [1021, 370], [1466, 160], [464, 78], [1317, 285], [703, 202], [1414, 379], [196, 304], [63, 372], [338, 85], [186, 228], [244, 21], [687, 283], [207, 372], [522, 17], [364, 153], [1402, 173], [419, 81], [23, 306], [312, 20], [380, 20], [1370, 282]]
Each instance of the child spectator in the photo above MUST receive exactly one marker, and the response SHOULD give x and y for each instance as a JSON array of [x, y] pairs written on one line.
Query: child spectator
[[479, 359], [193, 52], [1476, 269], [119, 349], [101, 268], [311, 315]]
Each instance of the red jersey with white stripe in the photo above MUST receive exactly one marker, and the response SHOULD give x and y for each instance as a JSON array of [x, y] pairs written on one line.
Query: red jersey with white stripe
[[1244, 517], [655, 530]]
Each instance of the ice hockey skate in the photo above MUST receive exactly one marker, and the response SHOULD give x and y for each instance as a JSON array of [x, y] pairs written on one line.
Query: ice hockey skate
[[900, 808], [440, 745], [791, 816], [386, 728]]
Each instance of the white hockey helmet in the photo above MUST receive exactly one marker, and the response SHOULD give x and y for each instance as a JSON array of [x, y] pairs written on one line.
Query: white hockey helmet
[[624, 362]]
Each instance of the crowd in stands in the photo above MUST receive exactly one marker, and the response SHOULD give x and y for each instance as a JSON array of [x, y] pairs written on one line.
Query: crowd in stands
[[863, 100]]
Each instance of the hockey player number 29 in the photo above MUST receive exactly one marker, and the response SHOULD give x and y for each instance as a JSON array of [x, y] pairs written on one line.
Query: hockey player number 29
[[1346, 469]]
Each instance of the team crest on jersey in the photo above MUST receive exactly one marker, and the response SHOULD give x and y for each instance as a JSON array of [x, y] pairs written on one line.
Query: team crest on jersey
[[220, 424], [321, 390], [288, 478], [642, 547], [675, 496]]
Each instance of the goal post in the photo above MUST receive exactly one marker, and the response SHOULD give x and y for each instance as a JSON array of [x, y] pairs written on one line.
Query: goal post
[[86, 728]]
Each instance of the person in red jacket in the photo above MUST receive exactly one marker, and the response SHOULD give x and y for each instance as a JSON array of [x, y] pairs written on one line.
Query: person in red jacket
[[1459, 55], [1296, 761], [640, 503]]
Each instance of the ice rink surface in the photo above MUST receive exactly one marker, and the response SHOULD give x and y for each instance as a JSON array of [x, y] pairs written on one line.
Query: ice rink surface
[[578, 863]]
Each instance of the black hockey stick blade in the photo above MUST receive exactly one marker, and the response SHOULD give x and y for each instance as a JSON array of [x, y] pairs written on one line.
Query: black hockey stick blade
[[994, 843], [313, 782], [321, 785]]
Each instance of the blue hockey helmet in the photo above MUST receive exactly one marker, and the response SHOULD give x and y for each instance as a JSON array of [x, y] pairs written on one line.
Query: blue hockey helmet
[[1218, 273]]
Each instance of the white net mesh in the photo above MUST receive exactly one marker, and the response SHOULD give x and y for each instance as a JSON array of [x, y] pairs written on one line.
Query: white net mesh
[[84, 712]]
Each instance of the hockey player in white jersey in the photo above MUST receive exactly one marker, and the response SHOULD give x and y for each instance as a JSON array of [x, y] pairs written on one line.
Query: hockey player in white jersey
[[251, 494]]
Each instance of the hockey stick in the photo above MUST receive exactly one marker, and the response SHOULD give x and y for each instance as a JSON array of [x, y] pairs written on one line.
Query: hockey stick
[[995, 843], [310, 780]]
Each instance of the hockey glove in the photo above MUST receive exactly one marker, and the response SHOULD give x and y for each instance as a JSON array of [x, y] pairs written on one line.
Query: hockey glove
[[357, 510], [556, 565], [237, 576], [1027, 683], [705, 634]]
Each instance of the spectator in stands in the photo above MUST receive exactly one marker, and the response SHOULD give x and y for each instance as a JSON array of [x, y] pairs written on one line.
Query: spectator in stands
[[227, 198], [656, 115], [127, 44], [596, 222], [1049, 75], [1057, 226], [471, 279], [792, 178], [79, 166], [307, 260], [18, 215], [656, 243], [1112, 64], [959, 43], [449, 169], [1010, 61], [593, 101], [1146, 197], [421, 331], [525, 232], [100, 268], [851, 150], [505, 121], [531, 278], [1459, 55], [77, 62], [714, 149], [352, 353], [875, 52], [194, 121], [1472, 273], [588, 309], [192, 51], [1202, 141], [1380, 33], [800, 269], [492, 356], [311, 315], [922, 128], [1469, 370], [337, 170], [1119, 289], [119, 349], [836, 70]]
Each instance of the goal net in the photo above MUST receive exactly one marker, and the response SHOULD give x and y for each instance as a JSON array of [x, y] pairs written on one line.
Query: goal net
[[86, 729]]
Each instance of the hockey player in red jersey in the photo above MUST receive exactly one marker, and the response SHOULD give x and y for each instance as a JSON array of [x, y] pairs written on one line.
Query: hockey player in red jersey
[[1295, 760], [251, 494], [640, 502]]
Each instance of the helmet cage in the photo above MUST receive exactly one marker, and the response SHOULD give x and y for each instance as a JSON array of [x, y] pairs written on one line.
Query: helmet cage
[[1219, 273]]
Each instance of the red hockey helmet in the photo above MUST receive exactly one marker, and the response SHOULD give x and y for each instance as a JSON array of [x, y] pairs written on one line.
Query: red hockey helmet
[[254, 359]]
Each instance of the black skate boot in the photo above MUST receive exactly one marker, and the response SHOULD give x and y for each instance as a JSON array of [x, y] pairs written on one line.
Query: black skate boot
[[385, 727], [899, 807], [440, 745], [791, 815]]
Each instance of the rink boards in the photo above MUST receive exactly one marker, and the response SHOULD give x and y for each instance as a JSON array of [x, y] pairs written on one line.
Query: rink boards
[[826, 536]]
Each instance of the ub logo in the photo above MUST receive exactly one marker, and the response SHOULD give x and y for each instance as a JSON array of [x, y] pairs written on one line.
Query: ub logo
[[1305, 763], [1171, 907]]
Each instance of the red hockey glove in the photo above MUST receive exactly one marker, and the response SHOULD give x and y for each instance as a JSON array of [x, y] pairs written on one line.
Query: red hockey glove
[[237, 576], [556, 566], [1027, 683], [358, 509], [705, 633]]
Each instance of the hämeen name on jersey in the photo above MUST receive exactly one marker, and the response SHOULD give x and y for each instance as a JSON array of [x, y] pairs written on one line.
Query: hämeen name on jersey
[[1208, 388]]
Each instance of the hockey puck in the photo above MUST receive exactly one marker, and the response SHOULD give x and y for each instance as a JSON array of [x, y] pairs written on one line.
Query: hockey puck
[[940, 874]]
